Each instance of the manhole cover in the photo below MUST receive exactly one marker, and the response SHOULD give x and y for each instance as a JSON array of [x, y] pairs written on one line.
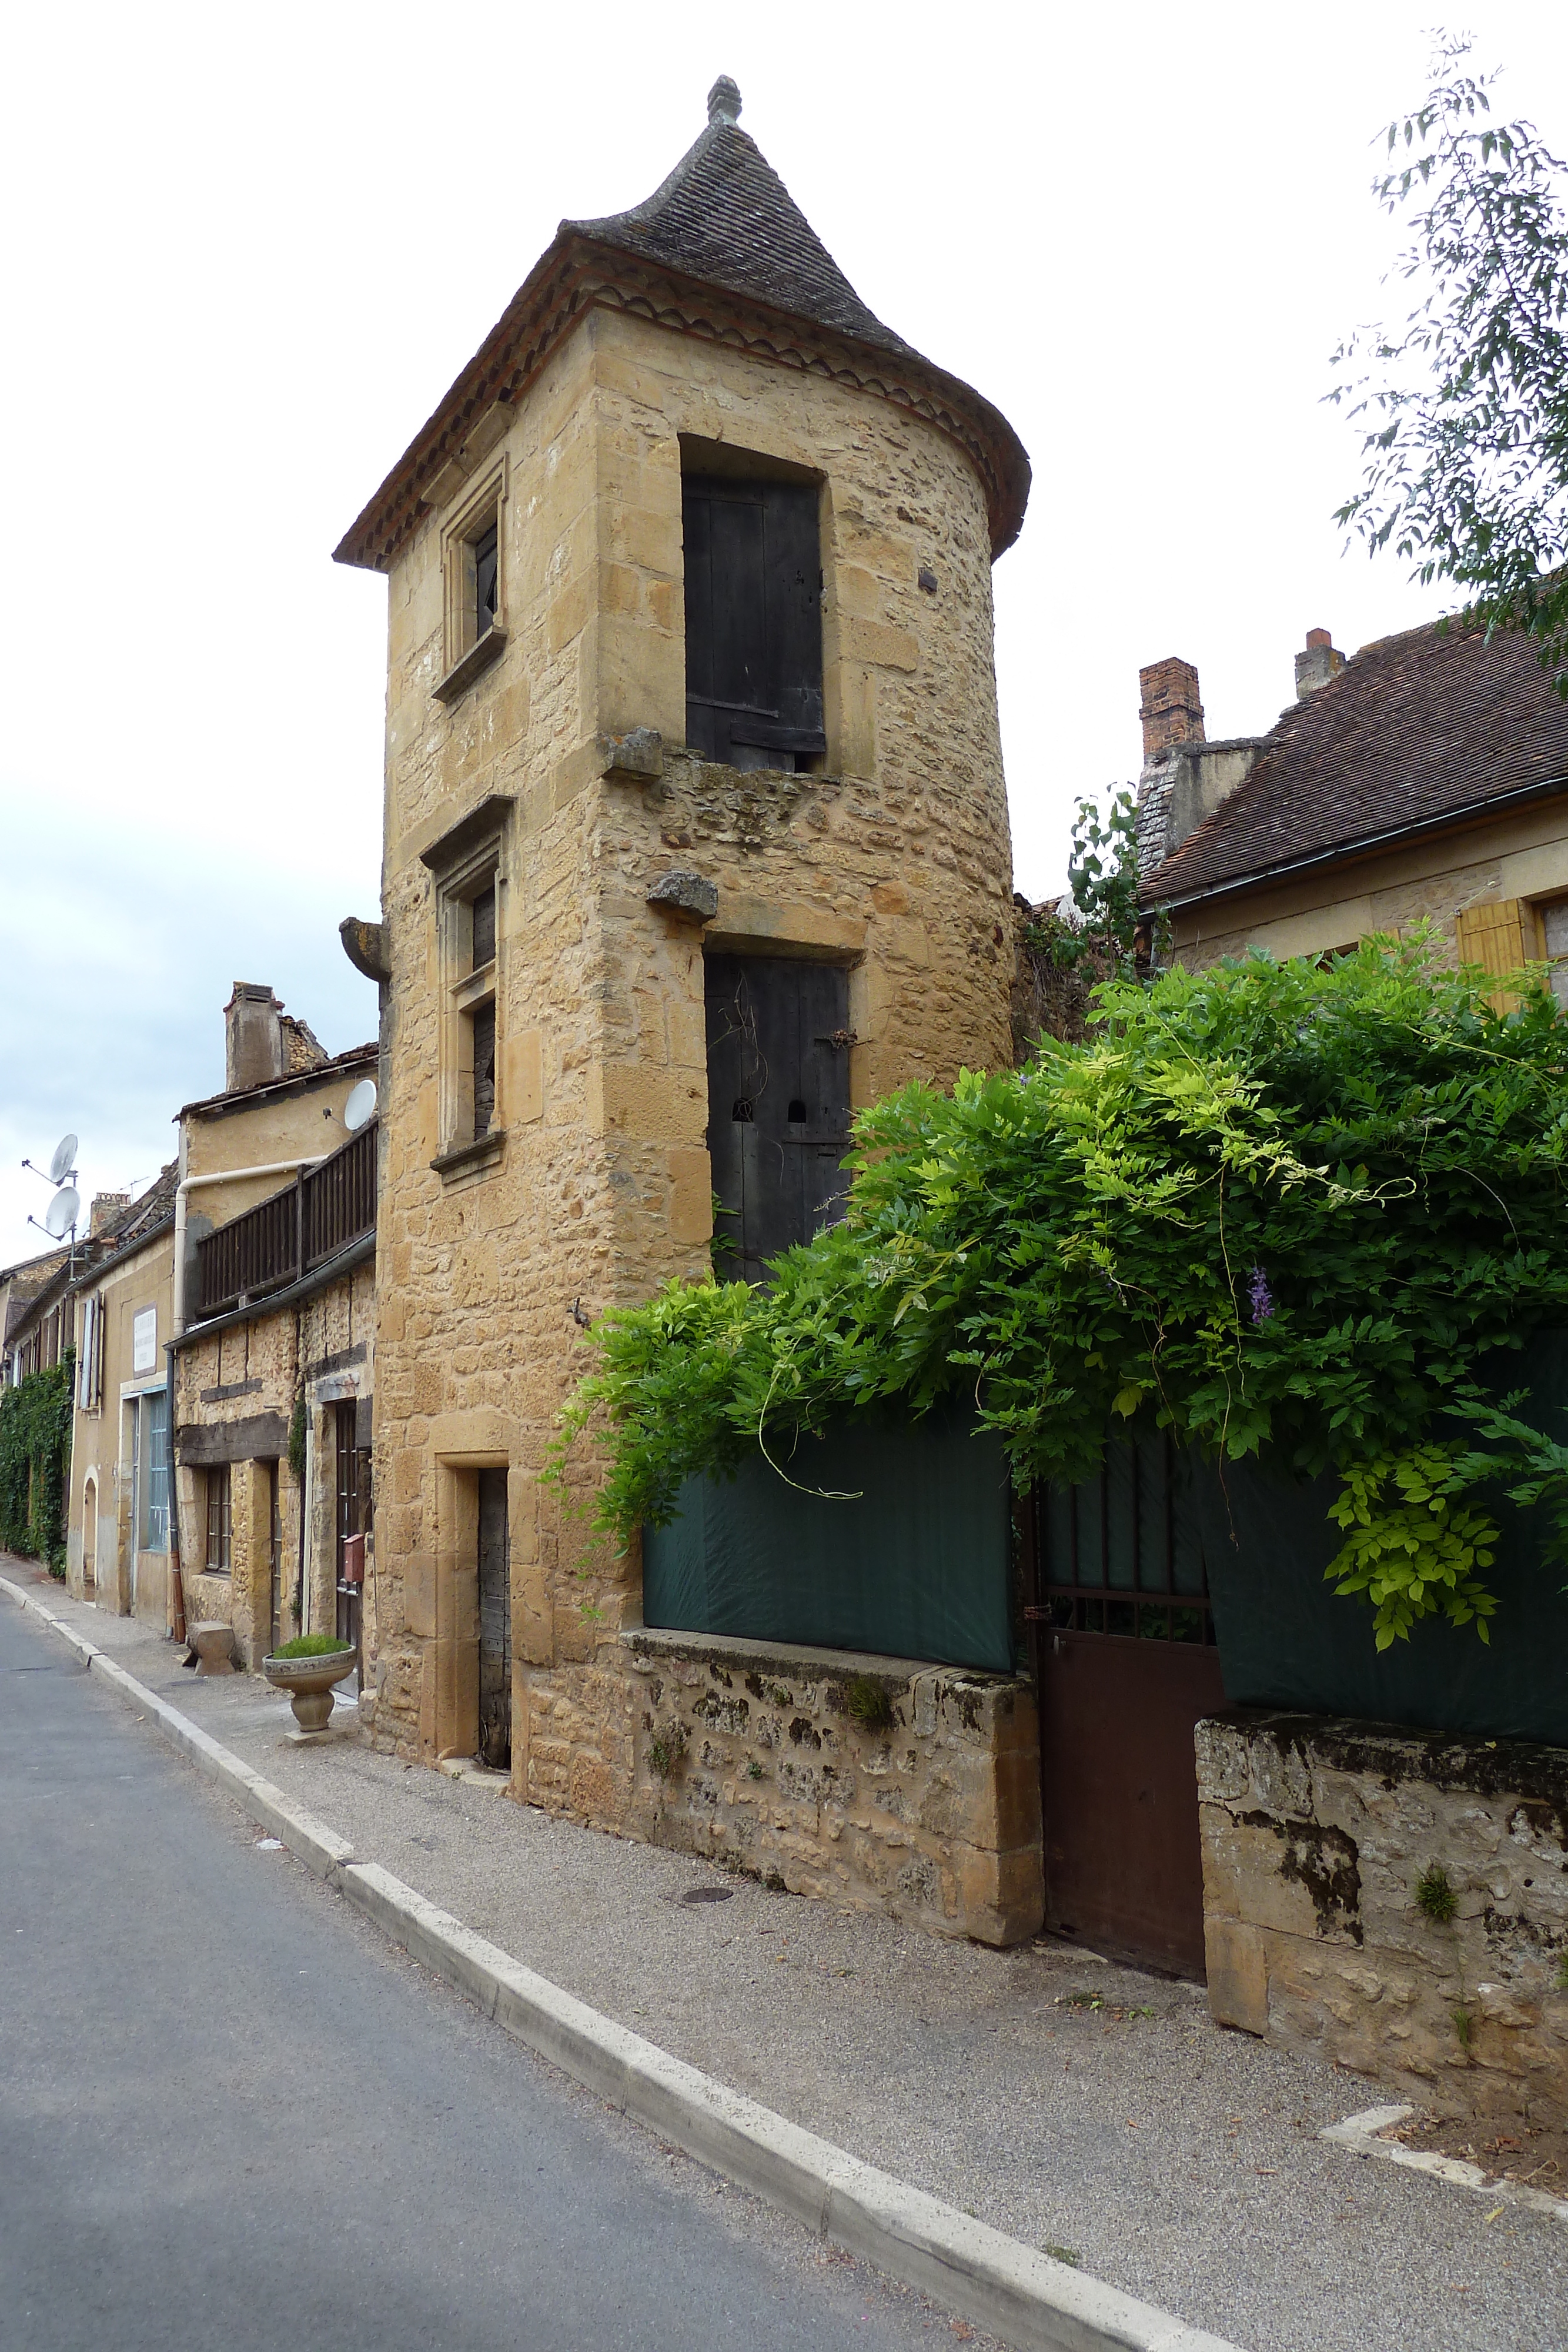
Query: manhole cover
[[707, 1894]]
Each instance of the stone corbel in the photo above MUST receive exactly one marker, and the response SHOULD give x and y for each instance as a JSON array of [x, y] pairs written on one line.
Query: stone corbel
[[680, 892], [364, 944], [635, 758]]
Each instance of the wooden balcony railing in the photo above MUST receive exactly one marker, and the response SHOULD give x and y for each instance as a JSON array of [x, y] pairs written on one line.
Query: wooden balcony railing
[[291, 1233]]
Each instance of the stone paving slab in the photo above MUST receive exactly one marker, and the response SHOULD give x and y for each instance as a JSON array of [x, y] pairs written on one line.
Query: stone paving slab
[[1079, 2107]]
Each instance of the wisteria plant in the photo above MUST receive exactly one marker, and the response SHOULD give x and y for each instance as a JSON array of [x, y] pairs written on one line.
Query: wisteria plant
[[1313, 1210]]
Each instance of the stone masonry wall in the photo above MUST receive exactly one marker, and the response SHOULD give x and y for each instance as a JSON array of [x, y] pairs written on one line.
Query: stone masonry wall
[[750, 1754], [1317, 1837]]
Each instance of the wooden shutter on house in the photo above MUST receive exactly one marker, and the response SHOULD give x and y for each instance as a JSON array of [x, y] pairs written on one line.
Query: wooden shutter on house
[[1499, 935], [754, 621]]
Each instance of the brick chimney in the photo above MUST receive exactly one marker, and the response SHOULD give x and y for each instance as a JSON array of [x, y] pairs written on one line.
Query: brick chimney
[[1168, 705], [106, 1207], [253, 1038], [1322, 661]]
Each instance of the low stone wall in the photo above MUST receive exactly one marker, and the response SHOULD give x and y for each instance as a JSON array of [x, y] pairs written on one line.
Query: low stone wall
[[1318, 1838], [769, 1757]]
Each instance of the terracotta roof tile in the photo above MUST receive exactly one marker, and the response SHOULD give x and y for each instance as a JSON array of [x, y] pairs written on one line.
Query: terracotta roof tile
[[1414, 729]]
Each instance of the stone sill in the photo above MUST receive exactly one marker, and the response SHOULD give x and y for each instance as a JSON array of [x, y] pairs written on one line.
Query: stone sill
[[483, 1152], [465, 670], [801, 1660]]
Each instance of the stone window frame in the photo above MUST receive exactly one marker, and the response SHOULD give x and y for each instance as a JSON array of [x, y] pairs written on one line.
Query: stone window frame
[[217, 1509], [466, 653], [468, 858]]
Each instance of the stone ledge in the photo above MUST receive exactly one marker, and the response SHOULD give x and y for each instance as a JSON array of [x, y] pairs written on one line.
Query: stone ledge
[[803, 1659], [469, 666], [477, 1154], [1447, 1760]]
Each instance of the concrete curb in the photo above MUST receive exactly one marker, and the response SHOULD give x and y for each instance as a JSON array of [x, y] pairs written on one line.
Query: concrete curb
[[996, 2282]]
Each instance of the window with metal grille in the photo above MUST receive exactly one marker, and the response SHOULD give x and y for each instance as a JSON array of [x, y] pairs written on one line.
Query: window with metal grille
[[754, 620], [220, 1520], [1121, 1554]]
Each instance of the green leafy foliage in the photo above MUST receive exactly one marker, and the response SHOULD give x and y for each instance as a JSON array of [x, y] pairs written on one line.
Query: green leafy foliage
[[1265, 1204], [1103, 869], [34, 1462], [1465, 458], [1434, 1896], [297, 1427], [1418, 1554], [314, 1645], [868, 1703]]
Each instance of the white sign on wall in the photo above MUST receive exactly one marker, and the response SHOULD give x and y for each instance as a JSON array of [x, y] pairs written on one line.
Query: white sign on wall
[[144, 1341]]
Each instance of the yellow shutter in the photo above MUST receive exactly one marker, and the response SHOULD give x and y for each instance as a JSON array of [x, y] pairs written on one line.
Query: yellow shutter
[[1494, 936]]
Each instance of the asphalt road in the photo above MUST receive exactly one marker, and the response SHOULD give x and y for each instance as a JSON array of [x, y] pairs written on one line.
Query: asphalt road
[[233, 2116]]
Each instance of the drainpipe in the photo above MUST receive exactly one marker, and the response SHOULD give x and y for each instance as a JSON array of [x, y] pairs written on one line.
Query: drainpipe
[[176, 1581], [220, 1176]]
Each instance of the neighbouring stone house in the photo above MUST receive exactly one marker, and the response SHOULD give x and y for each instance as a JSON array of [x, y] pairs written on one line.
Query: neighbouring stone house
[[695, 837], [106, 1301], [117, 1534], [1426, 777], [275, 1335], [25, 1338]]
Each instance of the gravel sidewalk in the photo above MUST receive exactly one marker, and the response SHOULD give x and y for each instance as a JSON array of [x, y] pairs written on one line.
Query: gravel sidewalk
[[1084, 2108]]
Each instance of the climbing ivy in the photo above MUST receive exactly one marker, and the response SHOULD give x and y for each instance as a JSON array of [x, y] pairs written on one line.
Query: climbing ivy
[[34, 1462], [1271, 1204]]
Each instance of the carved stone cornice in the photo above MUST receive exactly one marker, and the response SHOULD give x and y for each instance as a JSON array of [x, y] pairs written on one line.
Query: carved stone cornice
[[579, 274]]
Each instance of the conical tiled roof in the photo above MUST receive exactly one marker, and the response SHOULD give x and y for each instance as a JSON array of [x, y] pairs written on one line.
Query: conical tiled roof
[[720, 251], [726, 216]]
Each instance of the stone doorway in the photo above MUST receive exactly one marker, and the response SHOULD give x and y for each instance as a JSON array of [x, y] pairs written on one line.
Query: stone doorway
[[495, 1623]]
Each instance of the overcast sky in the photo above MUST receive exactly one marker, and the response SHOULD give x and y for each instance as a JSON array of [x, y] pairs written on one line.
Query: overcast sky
[[248, 249]]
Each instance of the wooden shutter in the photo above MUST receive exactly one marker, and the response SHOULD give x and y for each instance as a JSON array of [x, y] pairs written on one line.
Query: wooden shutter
[[1499, 935], [754, 621]]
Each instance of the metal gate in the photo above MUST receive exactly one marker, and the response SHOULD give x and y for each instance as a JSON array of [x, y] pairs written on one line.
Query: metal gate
[[1124, 1664], [495, 1623]]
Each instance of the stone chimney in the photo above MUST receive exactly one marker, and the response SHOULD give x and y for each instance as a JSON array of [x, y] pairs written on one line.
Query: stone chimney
[[1168, 705], [106, 1207], [253, 1038], [1322, 661]]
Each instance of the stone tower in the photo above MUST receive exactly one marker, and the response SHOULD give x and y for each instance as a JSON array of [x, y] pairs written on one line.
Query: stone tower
[[694, 822]]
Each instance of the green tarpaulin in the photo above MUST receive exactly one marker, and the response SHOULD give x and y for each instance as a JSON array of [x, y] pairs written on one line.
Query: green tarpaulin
[[916, 1566]]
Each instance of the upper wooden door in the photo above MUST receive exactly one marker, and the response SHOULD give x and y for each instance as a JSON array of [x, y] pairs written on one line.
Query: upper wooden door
[[779, 1104]]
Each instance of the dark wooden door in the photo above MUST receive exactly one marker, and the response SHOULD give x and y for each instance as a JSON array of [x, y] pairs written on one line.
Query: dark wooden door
[[495, 1623], [274, 1558], [353, 1487], [754, 621], [779, 1104], [1125, 1667]]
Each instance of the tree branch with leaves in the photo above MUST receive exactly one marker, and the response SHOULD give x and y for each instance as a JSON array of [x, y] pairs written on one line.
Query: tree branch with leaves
[[1465, 406]]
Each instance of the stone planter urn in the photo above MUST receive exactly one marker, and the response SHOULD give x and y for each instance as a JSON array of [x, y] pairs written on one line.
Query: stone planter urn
[[309, 1683]]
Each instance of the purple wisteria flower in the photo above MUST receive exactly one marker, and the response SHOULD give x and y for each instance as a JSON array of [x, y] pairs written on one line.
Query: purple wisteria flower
[[1260, 1295]]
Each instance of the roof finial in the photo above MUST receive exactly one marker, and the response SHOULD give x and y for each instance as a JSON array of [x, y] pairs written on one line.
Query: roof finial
[[723, 101]]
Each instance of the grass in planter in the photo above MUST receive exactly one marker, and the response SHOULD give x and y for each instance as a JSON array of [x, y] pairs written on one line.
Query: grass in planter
[[312, 1645]]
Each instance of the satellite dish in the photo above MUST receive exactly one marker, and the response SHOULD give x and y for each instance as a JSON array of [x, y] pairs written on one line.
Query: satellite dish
[[64, 1209], [64, 1161], [360, 1105]]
